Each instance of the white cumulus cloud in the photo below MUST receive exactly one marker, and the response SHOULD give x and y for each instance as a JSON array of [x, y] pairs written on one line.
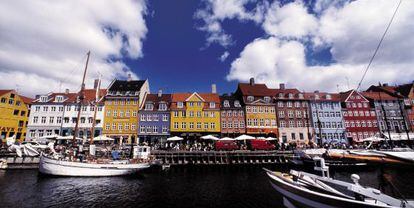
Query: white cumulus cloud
[[224, 56], [350, 30], [43, 43]]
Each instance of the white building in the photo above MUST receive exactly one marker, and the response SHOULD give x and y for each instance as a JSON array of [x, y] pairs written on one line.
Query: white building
[[86, 119], [47, 114], [56, 113]]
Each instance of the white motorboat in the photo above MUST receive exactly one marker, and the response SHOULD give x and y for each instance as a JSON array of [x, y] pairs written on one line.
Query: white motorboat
[[56, 167]]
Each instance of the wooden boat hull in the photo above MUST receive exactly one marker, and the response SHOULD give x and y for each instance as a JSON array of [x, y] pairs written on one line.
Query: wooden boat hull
[[296, 196], [54, 167]]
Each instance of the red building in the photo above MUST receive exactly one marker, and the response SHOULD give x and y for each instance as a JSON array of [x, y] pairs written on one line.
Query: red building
[[359, 116]]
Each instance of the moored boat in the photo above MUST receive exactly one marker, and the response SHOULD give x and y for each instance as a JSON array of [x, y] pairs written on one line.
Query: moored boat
[[56, 167], [301, 189]]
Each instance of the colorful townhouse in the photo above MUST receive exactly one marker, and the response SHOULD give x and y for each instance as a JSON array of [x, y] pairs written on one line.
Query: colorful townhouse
[[259, 108], [359, 116], [195, 114], [327, 120], [405, 95], [88, 122], [122, 103], [46, 116], [154, 118], [292, 108], [232, 116], [387, 109], [14, 114]]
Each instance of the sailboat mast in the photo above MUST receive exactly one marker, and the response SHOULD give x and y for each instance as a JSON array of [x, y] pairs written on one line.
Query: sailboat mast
[[81, 97], [95, 109]]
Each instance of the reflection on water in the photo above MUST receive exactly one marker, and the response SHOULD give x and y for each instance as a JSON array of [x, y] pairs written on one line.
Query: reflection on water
[[179, 187]]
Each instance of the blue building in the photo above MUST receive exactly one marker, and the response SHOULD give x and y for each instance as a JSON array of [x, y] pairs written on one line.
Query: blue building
[[154, 118], [327, 117]]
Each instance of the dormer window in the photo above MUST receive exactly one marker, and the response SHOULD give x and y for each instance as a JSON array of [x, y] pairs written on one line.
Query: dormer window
[[328, 97], [267, 99], [290, 95], [118, 93], [59, 98], [237, 103], [317, 97], [136, 92], [162, 107], [300, 96], [180, 104], [281, 95], [226, 103], [149, 106], [43, 98], [212, 104], [250, 98]]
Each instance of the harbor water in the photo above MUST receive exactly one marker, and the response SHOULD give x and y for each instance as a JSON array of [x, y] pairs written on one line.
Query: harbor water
[[213, 186]]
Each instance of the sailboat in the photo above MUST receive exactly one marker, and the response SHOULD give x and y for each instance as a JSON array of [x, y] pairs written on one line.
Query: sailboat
[[53, 164]]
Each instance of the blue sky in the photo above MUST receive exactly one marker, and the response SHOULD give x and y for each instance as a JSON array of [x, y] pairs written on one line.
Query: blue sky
[[176, 58], [185, 46]]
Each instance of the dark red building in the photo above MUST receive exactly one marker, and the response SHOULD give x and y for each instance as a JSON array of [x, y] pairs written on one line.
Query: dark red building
[[359, 116]]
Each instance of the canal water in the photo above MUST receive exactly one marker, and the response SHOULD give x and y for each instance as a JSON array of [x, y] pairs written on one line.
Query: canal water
[[178, 187]]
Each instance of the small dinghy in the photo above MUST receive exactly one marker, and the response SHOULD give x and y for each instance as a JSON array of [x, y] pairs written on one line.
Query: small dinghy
[[302, 189]]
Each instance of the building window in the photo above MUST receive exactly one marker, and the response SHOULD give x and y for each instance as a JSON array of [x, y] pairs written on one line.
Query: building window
[[205, 125], [183, 125], [290, 114], [175, 125], [142, 117], [267, 99], [164, 129], [212, 104], [51, 119], [241, 124], [149, 118], [115, 113], [280, 104], [119, 127], [180, 104], [108, 113], [43, 120], [162, 107], [164, 117], [134, 113], [126, 126], [212, 125], [142, 129], [149, 106], [35, 119], [121, 114], [113, 126], [198, 125], [289, 104], [237, 104], [191, 114], [175, 113], [282, 124], [250, 98], [291, 124], [133, 126], [191, 125]]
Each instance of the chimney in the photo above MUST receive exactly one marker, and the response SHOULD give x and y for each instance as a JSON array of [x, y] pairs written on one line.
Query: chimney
[[252, 81], [66, 91], [316, 91], [213, 88], [129, 77], [159, 93], [282, 86], [385, 85], [95, 84]]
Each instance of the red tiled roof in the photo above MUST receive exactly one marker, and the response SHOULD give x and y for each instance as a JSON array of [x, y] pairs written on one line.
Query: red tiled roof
[[207, 97], [345, 95], [255, 90], [2, 92], [322, 96], [156, 100], [26, 100], [378, 96]]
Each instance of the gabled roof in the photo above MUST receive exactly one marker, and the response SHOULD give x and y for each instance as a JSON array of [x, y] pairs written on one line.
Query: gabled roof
[[255, 90], [26, 100], [405, 89], [207, 97], [195, 94], [2, 92], [345, 95], [125, 85]]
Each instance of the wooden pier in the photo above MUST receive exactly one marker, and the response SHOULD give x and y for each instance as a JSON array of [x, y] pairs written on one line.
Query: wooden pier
[[222, 157], [16, 162]]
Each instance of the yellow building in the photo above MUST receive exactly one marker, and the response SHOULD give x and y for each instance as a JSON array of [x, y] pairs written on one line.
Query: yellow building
[[121, 109], [260, 108], [14, 114], [193, 115]]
